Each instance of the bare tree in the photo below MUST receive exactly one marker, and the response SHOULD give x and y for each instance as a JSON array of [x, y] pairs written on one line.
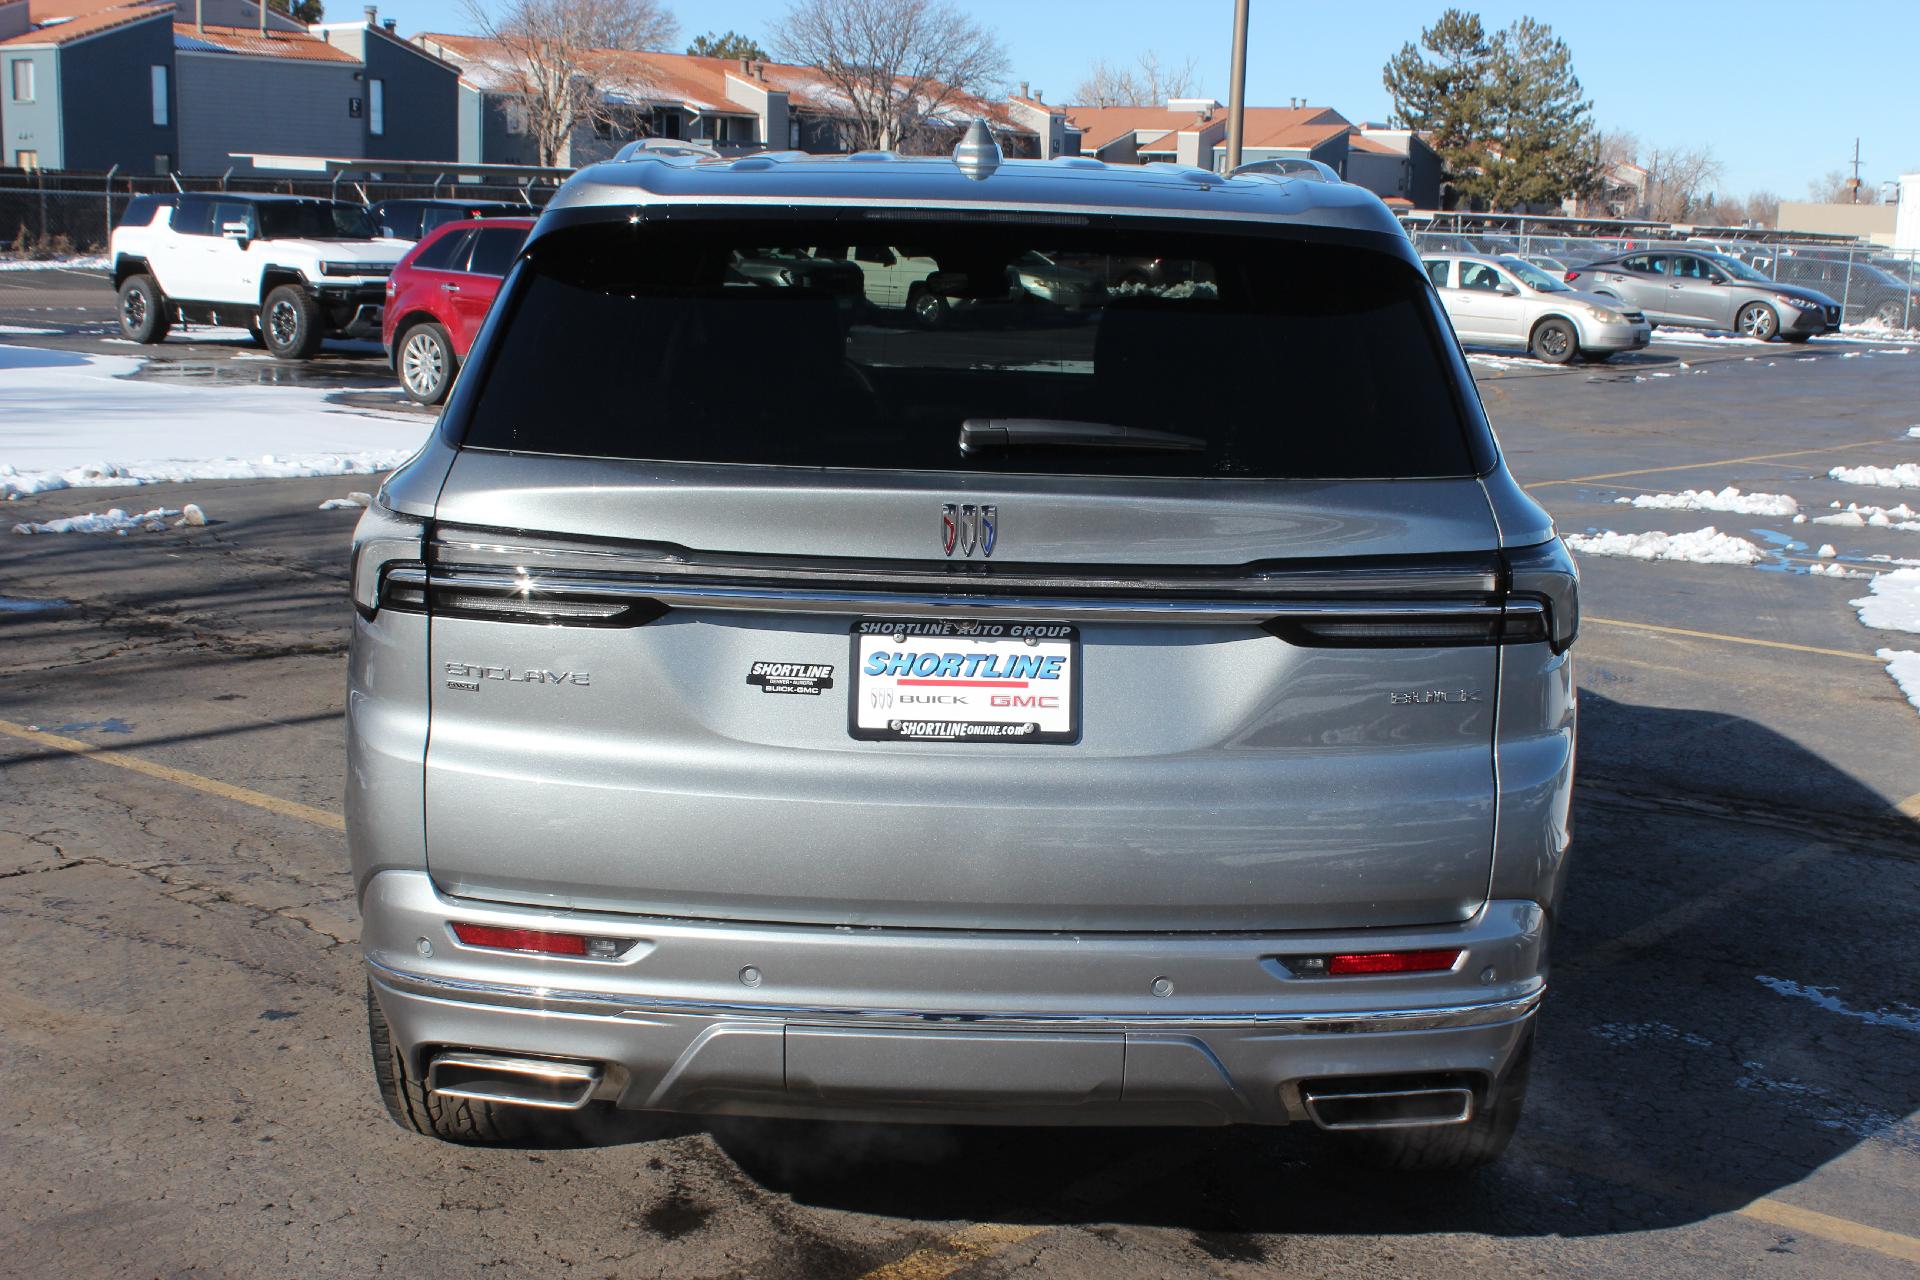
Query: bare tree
[[1833, 188], [1678, 180], [1147, 85], [560, 61], [1762, 209], [891, 65]]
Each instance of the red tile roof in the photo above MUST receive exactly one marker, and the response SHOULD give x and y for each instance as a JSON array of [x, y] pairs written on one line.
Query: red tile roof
[[1278, 128], [295, 45], [71, 28]]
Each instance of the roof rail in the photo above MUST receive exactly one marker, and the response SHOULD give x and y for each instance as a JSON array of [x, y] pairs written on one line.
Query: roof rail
[[1289, 167], [662, 148]]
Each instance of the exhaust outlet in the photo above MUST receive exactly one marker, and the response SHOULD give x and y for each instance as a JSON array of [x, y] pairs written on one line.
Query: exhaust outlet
[[1331, 1108], [520, 1082]]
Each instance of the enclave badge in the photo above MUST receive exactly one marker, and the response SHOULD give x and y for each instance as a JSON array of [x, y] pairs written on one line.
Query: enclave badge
[[968, 527]]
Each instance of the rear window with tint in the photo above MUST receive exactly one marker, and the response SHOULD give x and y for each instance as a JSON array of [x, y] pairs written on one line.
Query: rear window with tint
[[870, 344]]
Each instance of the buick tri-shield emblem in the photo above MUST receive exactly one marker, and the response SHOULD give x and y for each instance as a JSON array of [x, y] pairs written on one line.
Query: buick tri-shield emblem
[[968, 527]]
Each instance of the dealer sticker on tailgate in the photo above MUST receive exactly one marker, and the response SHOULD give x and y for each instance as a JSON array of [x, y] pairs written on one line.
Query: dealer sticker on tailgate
[[939, 681]]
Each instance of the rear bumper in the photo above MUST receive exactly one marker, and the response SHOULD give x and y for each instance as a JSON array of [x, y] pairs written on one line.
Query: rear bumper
[[949, 1026]]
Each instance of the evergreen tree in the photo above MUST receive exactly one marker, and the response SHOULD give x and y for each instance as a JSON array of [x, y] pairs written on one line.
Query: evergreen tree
[[299, 10], [1506, 114], [1541, 142], [1439, 89], [731, 44]]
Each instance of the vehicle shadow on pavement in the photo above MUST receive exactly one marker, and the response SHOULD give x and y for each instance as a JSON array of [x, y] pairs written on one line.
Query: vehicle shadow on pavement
[[1690, 1061]]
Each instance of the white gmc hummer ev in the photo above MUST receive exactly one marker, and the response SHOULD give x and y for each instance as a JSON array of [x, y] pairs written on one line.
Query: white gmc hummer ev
[[292, 269]]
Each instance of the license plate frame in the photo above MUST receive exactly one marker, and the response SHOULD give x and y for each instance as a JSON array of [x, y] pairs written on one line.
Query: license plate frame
[[874, 700]]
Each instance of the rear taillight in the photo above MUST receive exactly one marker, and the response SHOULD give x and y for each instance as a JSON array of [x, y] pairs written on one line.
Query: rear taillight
[[539, 941], [1366, 630], [1572, 276], [1545, 575], [1356, 963], [385, 544]]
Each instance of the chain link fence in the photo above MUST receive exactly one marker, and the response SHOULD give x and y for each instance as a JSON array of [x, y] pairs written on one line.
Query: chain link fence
[[50, 215], [1877, 287]]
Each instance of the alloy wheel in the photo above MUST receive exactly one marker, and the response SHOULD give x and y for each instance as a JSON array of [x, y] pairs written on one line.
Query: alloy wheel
[[423, 365], [283, 323]]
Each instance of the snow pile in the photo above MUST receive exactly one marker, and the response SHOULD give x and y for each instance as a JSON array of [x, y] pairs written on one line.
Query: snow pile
[[69, 420], [23, 331], [1895, 602], [1914, 432], [1904, 666], [1836, 571], [53, 264], [113, 521], [352, 502], [1728, 499], [1827, 551], [1703, 546], [1904, 476], [1860, 515]]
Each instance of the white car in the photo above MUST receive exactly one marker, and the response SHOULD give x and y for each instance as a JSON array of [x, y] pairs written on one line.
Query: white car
[[1508, 302], [294, 270]]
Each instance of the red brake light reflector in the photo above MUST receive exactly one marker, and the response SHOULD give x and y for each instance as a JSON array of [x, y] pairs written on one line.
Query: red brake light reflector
[[1572, 276], [1392, 962], [502, 939]]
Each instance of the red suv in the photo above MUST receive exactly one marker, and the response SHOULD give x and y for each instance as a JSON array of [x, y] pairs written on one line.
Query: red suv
[[439, 294]]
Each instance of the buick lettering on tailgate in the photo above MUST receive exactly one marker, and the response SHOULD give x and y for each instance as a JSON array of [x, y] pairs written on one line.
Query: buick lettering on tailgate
[[940, 681]]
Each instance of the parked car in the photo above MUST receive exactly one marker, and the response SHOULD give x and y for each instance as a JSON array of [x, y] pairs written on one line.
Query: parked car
[[764, 705], [1510, 302], [412, 218], [1867, 291], [1703, 290], [1552, 266], [293, 269], [438, 296]]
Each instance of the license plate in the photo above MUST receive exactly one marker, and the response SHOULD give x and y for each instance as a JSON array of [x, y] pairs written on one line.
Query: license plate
[[928, 680]]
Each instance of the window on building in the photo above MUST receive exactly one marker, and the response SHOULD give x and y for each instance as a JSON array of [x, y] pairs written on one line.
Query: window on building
[[23, 85], [160, 96], [376, 107], [27, 159]]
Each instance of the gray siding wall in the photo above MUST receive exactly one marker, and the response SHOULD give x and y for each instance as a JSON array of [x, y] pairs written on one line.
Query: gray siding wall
[[230, 102], [497, 144], [422, 103], [106, 97], [32, 126]]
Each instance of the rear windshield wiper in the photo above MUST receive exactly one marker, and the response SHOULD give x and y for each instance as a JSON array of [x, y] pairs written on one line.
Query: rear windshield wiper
[[978, 435]]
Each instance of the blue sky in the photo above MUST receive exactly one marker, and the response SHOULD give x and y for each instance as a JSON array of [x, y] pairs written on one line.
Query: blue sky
[[1778, 89]]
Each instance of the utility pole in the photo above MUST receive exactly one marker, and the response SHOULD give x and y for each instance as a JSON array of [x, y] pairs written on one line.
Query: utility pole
[[1853, 188], [1237, 97]]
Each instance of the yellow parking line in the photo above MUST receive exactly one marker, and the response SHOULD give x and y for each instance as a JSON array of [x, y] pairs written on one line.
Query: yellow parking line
[[965, 1246], [1844, 1230], [1703, 466], [167, 773], [1727, 639]]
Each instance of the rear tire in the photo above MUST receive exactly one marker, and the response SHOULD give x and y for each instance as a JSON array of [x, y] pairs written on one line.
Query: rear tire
[[142, 311], [426, 364], [1757, 320], [1439, 1148], [1890, 313], [290, 322], [460, 1120], [1554, 341]]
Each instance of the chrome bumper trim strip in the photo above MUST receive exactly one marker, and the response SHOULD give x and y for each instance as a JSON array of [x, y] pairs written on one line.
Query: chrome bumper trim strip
[[605, 1005]]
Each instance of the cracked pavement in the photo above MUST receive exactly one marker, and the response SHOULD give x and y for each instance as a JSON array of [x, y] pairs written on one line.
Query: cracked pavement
[[182, 1032]]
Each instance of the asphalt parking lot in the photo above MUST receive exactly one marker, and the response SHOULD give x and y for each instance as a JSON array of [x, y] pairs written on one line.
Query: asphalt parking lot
[[1728, 1076]]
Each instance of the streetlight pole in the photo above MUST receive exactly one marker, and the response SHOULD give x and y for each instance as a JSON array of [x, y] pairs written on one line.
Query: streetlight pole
[[1237, 98]]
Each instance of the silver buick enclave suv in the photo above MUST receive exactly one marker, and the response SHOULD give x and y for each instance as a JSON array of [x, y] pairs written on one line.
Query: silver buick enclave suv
[[1149, 707]]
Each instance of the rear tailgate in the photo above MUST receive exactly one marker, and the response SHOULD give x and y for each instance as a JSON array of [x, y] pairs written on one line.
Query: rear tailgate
[[1216, 776]]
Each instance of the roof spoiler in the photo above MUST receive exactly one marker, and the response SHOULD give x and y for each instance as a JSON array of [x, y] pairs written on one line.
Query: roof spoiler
[[1288, 167]]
